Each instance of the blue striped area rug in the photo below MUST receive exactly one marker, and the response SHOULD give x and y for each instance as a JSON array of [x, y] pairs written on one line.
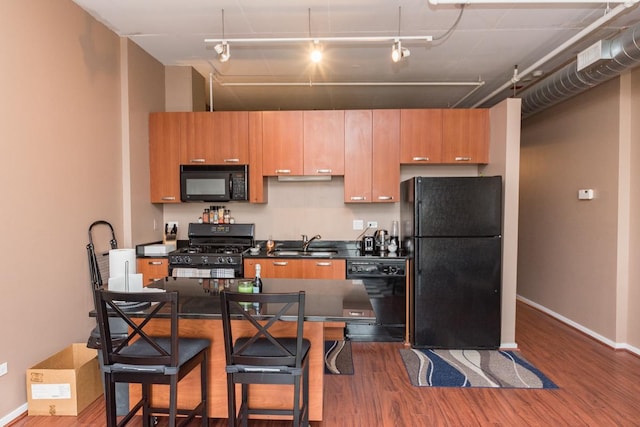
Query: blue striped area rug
[[472, 368]]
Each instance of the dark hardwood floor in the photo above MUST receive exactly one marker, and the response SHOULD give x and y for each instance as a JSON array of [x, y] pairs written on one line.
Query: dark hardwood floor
[[598, 387]]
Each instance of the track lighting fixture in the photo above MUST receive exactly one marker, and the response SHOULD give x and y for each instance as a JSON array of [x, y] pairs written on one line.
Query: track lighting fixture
[[222, 49], [398, 52]]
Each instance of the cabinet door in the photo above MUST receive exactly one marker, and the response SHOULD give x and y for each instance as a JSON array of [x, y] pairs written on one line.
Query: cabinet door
[[385, 187], [257, 184], [197, 147], [282, 143], [282, 268], [152, 269], [230, 137], [165, 133], [324, 268], [324, 142], [465, 136], [420, 136], [358, 151]]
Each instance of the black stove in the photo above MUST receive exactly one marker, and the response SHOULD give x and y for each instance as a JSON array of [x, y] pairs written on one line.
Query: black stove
[[214, 251]]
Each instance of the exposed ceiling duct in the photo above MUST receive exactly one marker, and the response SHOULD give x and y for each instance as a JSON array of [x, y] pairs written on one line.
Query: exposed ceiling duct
[[568, 81]]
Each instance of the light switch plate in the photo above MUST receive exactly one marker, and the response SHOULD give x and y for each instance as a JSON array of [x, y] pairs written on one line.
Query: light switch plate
[[358, 224], [3, 369]]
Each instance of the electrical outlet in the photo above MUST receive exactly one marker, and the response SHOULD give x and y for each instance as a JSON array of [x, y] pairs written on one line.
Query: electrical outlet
[[4, 368], [358, 224], [372, 224]]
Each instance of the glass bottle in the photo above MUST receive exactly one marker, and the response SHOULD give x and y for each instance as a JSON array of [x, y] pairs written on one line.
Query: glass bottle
[[257, 287]]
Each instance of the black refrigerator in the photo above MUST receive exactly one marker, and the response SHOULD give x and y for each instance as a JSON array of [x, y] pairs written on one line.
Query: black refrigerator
[[451, 228]]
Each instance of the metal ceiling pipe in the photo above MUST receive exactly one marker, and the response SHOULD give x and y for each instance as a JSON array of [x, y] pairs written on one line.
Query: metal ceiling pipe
[[568, 81]]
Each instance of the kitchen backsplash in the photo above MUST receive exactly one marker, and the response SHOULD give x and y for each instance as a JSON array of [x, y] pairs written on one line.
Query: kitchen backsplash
[[310, 208]]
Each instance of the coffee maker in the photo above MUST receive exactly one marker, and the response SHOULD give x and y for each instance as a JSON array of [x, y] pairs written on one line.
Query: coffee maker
[[367, 245]]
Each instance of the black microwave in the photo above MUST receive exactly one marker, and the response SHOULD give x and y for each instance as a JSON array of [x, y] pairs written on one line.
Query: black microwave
[[214, 183]]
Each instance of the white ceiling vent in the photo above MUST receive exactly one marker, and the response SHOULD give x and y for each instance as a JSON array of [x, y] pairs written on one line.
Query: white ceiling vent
[[598, 51]]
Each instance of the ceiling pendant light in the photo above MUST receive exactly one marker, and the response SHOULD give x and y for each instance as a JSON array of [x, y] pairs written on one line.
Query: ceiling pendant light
[[222, 49], [397, 51], [316, 52]]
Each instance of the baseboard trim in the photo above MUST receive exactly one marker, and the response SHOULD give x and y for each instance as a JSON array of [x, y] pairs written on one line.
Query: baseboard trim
[[604, 340], [13, 415]]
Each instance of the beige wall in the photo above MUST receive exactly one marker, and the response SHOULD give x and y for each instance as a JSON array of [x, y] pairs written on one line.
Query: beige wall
[[66, 164], [145, 93], [574, 256], [633, 296], [505, 161]]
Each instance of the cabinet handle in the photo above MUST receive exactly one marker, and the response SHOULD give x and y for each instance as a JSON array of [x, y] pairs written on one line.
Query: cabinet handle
[[155, 263], [197, 160], [357, 198], [280, 263], [385, 197], [420, 159], [323, 171], [232, 160], [168, 198], [356, 313], [463, 159], [283, 170], [323, 264]]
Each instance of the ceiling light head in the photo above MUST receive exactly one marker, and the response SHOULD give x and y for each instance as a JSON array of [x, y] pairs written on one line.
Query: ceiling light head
[[222, 49], [398, 52], [316, 52]]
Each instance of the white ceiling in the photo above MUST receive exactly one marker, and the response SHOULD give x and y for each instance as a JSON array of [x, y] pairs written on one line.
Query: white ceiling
[[484, 47]]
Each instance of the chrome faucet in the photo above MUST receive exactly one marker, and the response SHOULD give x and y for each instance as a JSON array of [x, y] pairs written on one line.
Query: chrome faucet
[[306, 241]]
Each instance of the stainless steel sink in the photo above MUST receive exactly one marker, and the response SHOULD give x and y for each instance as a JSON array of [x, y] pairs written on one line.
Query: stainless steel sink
[[310, 252]]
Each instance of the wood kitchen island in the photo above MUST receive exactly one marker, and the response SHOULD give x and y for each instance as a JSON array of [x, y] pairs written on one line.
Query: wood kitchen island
[[327, 302]]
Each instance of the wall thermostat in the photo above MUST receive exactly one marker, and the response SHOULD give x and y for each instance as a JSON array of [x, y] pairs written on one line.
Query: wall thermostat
[[585, 194]]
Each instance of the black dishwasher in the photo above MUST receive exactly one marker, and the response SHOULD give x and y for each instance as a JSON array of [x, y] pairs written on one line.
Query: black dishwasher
[[385, 281]]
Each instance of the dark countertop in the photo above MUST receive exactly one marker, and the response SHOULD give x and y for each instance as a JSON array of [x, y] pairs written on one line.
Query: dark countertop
[[345, 249], [326, 300]]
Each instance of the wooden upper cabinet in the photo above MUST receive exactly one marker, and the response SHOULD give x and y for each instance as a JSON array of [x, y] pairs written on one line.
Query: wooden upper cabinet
[[165, 134], [420, 136], [216, 138], [358, 149], [323, 142], [372, 153], [282, 143], [385, 185], [231, 137], [257, 183], [465, 134]]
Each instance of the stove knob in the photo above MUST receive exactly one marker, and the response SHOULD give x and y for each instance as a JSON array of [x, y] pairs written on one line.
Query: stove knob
[[229, 260], [205, 260], [187, 260], [393, 270], [220, 260]]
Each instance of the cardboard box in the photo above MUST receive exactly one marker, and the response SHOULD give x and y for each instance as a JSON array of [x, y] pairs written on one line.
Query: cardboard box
[[65, 383]]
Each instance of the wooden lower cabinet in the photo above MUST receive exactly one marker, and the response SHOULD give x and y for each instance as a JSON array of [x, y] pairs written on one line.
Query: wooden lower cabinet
[[295, 268], [152, 269], [278, 396]]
